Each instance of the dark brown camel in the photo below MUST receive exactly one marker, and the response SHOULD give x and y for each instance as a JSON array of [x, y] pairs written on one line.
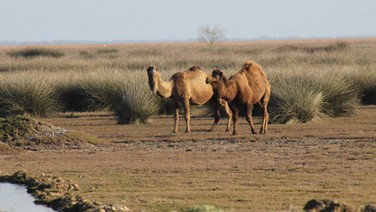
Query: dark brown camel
[[247, 87]]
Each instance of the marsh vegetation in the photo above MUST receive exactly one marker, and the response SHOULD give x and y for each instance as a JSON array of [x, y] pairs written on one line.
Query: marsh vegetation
[[309, 80]]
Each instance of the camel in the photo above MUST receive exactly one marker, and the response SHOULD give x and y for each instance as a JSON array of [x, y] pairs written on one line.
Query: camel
[[186, 87], [247, 87]]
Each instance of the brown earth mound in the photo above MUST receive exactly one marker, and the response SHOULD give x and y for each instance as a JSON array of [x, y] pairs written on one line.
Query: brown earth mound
[[25, 133]]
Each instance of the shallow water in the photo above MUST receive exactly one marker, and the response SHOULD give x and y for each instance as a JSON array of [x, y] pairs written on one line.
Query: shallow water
[[14, 198]]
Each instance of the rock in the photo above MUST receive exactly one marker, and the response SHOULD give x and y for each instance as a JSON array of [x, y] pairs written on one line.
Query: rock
[[73, 187], [369, 208], [314, 205], [326, 206]]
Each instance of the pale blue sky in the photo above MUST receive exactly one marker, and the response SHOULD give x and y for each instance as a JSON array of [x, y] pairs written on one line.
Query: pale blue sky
[[154, 20]]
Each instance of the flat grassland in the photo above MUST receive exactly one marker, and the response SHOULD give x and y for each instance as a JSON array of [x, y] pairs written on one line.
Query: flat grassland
[[149, 168]]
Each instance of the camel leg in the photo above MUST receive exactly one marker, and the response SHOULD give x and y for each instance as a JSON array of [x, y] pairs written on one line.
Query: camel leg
[[235, 112], [264, 127], [249, 118], [187, 115], [228, 113], [176, 117], [217, 116]]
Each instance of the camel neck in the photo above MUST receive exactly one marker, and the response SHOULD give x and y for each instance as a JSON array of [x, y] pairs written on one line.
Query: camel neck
[[164, 89], [228, 90]]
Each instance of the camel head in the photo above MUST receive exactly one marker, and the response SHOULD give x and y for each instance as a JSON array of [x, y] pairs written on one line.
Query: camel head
[[215, 79], [153, 75]]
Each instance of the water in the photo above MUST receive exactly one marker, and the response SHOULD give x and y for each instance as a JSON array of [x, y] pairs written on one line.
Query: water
[[14, 198]]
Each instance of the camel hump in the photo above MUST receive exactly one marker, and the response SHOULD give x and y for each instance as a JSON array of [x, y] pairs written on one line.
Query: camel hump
[[195, 68], [251, 67]]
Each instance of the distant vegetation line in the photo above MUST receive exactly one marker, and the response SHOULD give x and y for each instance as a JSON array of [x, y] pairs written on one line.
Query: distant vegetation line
[[128, 41]]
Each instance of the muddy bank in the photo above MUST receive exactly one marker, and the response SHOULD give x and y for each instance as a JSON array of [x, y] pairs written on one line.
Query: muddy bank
[[55, 192]]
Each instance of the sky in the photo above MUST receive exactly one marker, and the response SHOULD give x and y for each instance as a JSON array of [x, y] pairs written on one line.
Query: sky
[[179, 20]]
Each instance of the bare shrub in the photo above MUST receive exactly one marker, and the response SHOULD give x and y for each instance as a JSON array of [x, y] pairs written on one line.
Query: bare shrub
[[209, 35]]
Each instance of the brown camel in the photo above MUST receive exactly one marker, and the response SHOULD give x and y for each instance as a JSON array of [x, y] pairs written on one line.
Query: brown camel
[[247, 87], [186, 87]]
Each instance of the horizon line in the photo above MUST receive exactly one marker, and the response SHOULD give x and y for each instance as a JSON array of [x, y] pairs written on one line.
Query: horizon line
[[140, 41]]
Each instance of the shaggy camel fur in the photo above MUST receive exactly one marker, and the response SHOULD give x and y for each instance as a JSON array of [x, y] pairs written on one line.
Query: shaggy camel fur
[[186, 87], [247, 87]]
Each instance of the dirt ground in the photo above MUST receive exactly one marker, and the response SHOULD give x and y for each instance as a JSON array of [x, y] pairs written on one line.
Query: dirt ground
[[148, 168]]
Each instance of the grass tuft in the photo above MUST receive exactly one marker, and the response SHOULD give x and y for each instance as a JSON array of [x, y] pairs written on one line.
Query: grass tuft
[[301, 98], [137, 104], [293, 101], [27, 96], [364, 81], [341, 98], [99, 93]]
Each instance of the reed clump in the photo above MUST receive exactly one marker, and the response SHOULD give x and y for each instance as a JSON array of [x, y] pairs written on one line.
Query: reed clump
[[27, 96], [134, 102]]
